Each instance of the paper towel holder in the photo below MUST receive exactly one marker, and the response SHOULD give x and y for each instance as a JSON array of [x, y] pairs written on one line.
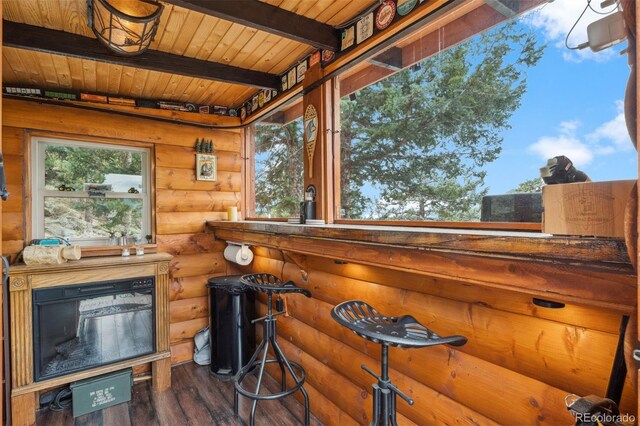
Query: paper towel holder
[[244, 249]]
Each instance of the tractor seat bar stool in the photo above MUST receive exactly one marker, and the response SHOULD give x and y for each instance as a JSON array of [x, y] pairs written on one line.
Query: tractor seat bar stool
[[403, 332], [270, 285]]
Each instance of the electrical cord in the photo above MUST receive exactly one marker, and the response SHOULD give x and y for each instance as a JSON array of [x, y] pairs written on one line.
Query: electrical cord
[[587, 7], [62, 400], [566, 39]]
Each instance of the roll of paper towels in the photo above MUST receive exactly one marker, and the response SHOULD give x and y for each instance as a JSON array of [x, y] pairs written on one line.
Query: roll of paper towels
[[241, 255]]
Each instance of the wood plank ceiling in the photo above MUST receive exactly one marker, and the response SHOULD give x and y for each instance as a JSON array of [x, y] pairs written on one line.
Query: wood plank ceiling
[[181, 32]]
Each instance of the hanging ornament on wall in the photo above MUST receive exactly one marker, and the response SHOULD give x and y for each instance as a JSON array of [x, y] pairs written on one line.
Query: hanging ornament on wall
[[310, 134]]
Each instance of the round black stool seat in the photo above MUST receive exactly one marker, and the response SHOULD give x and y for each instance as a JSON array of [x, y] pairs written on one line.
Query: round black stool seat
[[271, 284], [404, 332]]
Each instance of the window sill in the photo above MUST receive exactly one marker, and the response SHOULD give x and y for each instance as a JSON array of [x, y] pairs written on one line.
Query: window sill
[[501, 226], [100, 251]]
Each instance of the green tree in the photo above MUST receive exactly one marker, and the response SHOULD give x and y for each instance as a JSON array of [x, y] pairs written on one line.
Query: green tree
[[531, 185], [414, 146], [279, 163], [73, 167]]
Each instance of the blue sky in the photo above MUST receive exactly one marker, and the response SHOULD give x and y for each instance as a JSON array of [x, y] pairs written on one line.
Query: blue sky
[[573, 106]]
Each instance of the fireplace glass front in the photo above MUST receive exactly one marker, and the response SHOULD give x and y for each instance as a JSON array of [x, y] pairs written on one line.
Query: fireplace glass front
[[84, 326]]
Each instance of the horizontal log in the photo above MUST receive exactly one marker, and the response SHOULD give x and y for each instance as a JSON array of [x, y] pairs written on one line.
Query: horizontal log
[[184, 222], [55, 118], [168, 200], [12, 140], [188, 309], [182, 157], [482, 373], [189, 287], [574, 282], [192, 265], [322, 407], [12, 246], [346, 395], [528, 245], [176, 244], [13, 169], [490, 389], [509, 301], [12, 226], [554, 353], [182, 352], [430, 408], [14, 203], [185, 179], [186, 330], [268, 252]]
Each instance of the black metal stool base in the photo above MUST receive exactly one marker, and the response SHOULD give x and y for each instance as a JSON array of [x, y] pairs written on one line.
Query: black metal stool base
[[403, 332], [287, 367]]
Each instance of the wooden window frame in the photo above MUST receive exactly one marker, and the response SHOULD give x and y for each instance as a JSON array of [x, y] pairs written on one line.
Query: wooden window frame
[[31, 142], [248, 202]]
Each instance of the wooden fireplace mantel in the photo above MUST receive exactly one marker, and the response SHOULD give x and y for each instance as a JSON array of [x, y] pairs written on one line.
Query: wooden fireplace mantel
[[23, 279]]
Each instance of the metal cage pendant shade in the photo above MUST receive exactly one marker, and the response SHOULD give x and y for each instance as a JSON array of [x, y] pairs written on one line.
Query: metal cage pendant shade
[[126, 27]]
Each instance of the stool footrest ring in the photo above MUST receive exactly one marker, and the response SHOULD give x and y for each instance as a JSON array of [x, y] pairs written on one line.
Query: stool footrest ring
[[270, 396]]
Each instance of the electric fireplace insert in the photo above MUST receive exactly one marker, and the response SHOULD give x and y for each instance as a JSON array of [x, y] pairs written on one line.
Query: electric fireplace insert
[[79, 327]]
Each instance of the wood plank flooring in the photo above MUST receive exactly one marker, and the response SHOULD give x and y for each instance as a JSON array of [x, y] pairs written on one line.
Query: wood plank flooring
[[195, 398]]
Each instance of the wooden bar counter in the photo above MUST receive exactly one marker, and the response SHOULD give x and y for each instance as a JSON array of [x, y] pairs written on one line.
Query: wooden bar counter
[[521, 359]]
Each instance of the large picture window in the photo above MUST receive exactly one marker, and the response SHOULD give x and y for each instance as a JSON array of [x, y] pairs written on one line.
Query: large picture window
[[430, 129], [90, 193]]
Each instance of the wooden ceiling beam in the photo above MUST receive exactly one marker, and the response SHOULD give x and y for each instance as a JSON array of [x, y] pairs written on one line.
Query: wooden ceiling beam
[[268, 18], [29, 37]]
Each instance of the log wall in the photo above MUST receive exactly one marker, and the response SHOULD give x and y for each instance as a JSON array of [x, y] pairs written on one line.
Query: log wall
[[519, 364], [182, 203]]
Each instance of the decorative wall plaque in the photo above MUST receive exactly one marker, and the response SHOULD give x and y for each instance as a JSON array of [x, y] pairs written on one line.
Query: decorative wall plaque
[[310, 134]]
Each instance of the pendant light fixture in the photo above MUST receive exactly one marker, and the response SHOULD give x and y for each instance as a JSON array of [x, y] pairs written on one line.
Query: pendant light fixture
[[126, 27]]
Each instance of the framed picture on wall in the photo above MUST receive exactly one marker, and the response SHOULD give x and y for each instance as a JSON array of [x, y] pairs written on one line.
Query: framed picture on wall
[[206, 167]]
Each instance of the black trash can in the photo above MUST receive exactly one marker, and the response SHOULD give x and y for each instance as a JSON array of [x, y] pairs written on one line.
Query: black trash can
[[233, 338]]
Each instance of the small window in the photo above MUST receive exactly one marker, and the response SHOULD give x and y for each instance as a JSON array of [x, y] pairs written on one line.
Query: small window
[[90, 193]]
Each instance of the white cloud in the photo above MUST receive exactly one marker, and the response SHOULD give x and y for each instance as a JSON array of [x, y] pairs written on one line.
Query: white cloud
[[614, 130], [555, 19], [566, 143], [608, 138]]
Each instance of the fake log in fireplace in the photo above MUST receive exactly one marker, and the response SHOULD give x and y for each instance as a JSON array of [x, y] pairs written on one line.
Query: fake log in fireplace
[[84, 326]]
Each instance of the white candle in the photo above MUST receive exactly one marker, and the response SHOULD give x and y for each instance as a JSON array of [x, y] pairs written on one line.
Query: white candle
[[232, 214]]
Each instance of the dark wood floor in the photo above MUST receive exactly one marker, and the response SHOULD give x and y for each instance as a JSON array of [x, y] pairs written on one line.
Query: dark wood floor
[[195, 398]]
